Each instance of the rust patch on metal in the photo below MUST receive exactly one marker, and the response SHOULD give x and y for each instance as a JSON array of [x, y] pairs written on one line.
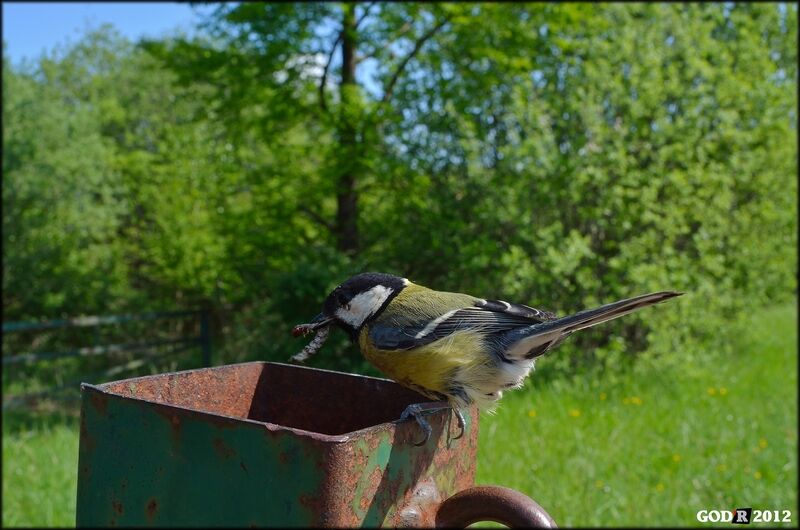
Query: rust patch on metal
[[492, 503], [421, 508], [316, 505], [175, 423], [226, 390], [363, 503], [150, 509], [173, 418], [99, 401], [222, 449], [307, 501], [88, 441]]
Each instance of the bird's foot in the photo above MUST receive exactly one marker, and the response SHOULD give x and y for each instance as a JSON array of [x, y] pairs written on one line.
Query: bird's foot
[[419, 410], [416, 411]]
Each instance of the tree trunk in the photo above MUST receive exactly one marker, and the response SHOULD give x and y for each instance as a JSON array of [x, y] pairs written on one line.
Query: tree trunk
[[346, 194]]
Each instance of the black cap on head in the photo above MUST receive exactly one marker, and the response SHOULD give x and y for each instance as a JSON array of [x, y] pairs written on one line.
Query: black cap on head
[[358, 284], [376, 290]]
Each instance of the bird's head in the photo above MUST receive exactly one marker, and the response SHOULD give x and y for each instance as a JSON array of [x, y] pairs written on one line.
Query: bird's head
[[355, 302]]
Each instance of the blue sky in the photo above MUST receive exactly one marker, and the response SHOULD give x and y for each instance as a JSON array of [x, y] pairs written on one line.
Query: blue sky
[[32, 28]]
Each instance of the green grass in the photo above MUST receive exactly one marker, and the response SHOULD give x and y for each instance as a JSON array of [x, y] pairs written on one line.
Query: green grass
[[656, 446], [40, 465], [647, 448]]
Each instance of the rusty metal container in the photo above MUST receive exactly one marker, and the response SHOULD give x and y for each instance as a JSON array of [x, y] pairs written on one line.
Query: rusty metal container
[[269, 444]]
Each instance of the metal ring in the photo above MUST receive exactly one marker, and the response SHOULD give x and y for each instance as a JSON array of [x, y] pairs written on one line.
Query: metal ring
[[492, 503]]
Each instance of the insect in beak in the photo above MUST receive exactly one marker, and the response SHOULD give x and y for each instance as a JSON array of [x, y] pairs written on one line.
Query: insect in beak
[[318, 322], [321, 324]]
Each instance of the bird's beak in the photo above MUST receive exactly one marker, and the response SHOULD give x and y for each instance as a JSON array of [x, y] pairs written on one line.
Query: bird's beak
[[319, 321]]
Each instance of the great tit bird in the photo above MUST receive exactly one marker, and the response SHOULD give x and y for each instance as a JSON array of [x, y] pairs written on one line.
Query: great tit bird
[[453, 348]]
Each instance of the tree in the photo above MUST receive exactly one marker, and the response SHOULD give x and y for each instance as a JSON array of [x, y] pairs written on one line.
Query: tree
[[565, 153], [61, 202], [560, 155]]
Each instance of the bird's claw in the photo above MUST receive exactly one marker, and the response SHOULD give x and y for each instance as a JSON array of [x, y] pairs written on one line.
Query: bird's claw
[[462, 424], [416, 411]]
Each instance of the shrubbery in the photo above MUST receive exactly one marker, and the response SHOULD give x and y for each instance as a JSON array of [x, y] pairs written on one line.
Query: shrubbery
[[558, 155]]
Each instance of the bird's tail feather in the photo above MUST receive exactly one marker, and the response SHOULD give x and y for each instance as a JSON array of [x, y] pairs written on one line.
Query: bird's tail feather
[[604, 313], [541, 337]]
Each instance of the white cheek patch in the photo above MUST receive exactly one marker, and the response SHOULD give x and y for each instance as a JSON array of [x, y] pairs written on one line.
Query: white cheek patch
[[363, 305]]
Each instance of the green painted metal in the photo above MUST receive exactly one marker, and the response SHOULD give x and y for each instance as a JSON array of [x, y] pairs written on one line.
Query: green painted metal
[[263, 444], [139, 469]]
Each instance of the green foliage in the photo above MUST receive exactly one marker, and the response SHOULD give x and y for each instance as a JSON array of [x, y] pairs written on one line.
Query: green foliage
[[61, 202], [562, 155], [645, 151]]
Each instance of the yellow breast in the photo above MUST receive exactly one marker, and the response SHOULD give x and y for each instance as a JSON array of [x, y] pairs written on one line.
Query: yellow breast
[[434, 366]]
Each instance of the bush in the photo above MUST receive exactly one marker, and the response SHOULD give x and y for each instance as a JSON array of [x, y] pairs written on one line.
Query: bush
[[564, 157]]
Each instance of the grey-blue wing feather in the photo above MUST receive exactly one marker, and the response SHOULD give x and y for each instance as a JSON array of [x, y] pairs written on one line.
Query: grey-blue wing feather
[[500, 306], [491, 317]]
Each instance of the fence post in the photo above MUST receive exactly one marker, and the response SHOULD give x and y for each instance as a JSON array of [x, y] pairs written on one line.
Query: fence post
[[205, 336]]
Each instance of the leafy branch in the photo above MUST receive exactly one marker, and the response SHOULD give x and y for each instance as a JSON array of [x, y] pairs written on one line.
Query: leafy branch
[[417, 46]]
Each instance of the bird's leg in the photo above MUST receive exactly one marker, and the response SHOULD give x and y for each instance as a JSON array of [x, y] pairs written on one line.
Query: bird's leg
[[419, 410]]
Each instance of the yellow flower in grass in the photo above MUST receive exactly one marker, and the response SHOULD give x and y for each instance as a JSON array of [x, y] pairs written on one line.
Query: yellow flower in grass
[[659, 487], [757, 475], [676, 458], [532, 413], [712, 391], [722, 468], [762, 443], [574, 413], [598, 484], [603, 396], [723, 391], [636, 400]]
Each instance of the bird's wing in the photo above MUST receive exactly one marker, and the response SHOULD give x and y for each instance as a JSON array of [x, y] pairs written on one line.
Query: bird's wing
[[488, 316], [507, 308]]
